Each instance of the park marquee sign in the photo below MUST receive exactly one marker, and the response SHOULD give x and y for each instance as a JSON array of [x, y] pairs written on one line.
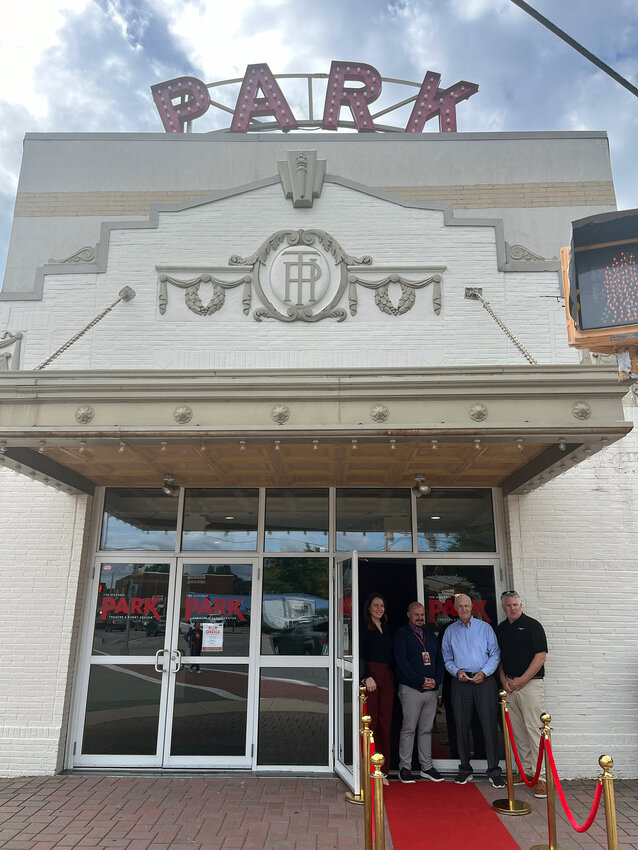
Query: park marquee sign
[[353, 85]]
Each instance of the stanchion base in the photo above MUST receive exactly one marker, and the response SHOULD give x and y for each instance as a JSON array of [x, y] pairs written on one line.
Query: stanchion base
[[515, 807], [355, 799], [547, 847]]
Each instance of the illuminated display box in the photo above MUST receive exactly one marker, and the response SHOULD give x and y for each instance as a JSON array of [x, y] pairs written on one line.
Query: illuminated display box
[[600, 279]]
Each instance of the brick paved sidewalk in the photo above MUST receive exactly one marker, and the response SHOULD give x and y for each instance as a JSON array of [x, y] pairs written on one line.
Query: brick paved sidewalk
[[170, 813], [241, 813], [529, 830]]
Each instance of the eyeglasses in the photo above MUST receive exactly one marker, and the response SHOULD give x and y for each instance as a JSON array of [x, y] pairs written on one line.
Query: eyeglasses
[[509, 593]]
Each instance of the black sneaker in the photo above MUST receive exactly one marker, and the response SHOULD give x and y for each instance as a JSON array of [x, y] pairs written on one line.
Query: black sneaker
[[432, 774], [497, 782], [406, 777], [463, 778]]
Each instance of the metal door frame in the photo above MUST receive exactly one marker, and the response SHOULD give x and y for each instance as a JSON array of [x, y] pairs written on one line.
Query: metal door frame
[[167, 662], [465, 559], [342, 665]]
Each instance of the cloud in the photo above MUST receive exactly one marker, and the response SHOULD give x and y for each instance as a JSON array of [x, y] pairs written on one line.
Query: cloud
[[87, 65]]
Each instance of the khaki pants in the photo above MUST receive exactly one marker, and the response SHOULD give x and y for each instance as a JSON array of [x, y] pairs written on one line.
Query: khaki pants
[[525, 707]]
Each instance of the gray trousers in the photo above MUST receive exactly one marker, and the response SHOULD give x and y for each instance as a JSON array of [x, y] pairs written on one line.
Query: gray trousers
[[419, 709]]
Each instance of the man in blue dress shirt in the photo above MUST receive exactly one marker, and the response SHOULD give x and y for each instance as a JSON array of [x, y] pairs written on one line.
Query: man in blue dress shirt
[[471, 656]]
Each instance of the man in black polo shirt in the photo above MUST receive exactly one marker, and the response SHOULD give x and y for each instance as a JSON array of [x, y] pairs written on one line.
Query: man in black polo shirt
[[523, 646]]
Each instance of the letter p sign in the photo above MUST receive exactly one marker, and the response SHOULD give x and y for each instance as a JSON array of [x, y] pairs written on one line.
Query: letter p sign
[[194, 101]]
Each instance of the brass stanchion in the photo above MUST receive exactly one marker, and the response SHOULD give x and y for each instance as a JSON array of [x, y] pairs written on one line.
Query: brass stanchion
[[379, 822], [511, 806], [357, 799], [551, 802], [607, 780], [368, 737]]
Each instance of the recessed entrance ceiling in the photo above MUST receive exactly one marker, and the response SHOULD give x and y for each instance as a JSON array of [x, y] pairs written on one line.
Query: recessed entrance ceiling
[[373, 464]]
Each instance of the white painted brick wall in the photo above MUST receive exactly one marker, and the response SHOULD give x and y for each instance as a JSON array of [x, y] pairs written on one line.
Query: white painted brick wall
[[136, 335], [574, 545], [572, 542], [41, 542]]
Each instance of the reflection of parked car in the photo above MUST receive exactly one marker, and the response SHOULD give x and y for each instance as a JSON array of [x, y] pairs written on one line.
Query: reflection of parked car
[[111, 625], [155, 627], [308, 638]]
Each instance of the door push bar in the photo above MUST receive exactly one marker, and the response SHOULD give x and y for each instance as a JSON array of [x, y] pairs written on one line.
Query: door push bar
[[175, 661], [159, 662]]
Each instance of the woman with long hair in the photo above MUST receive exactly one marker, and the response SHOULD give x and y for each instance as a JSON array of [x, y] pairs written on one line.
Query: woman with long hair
[[375, 650]]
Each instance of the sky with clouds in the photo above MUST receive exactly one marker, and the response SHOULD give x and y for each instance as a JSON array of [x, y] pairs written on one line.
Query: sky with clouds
[[87, 65]]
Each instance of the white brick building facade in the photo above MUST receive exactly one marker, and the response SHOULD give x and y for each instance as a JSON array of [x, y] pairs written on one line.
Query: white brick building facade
[[567, 543]]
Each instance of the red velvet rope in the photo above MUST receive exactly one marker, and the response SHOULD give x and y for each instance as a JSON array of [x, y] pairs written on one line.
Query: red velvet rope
[[539, 760], [561, 795]]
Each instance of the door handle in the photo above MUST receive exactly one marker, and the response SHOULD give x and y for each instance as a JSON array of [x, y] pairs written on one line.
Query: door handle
[[159, 662], [176, 659], [345, 678]]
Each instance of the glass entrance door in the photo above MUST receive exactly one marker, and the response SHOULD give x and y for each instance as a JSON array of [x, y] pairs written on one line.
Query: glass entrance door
[[440, 579], [168, 679], [211, 694], [346, 669]]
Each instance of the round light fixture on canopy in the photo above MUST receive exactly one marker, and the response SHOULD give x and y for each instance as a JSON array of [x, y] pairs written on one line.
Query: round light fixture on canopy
[[420, 487], [168, 486]]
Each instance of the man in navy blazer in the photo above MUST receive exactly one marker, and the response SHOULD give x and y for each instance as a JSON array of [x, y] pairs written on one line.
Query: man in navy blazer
[[419, 670]]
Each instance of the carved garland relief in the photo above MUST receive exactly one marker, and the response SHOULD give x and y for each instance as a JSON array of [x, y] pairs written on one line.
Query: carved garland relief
[[10, 351], [302, 275]]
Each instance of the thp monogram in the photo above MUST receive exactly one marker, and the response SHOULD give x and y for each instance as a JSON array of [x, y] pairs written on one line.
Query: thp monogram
[[302, 272]]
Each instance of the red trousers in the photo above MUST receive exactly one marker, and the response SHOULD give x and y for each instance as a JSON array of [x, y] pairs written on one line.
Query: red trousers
[[380, 704]]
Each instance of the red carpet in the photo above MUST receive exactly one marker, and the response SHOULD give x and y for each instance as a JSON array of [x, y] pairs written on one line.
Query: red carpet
[[443, 816]]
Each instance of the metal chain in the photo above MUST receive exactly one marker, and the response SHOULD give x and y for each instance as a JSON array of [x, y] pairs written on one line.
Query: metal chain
[[505, 329], [124, 296]]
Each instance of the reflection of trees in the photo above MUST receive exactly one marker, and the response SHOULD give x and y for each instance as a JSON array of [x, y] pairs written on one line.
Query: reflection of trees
[[240, 585], [477, 538], [297, 575]]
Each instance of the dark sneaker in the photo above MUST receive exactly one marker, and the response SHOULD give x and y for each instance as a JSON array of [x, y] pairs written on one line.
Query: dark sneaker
[[406, 777], [432, 774], [463, 778], [497, 782]]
